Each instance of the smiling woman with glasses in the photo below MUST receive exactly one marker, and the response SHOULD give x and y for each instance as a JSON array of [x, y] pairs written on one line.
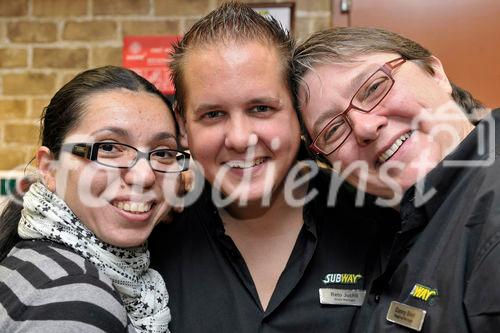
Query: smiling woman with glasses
[[76, 258], [366, 98], [405, 138]]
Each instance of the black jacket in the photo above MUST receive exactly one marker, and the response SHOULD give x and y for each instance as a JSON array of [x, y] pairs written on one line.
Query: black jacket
[[445, 260], [211, 289]]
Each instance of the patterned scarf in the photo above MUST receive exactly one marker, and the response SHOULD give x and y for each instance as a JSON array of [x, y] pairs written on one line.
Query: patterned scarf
[[142, 289]]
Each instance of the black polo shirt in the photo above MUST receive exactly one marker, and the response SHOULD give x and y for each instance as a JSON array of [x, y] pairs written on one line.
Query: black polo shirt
[[445, 260], [211, 289]]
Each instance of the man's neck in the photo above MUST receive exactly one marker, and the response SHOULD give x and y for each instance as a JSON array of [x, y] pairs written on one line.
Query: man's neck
[[266, 240]]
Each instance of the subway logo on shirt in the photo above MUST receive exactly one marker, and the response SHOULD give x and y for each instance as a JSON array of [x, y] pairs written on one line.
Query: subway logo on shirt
[[343, 278], [422, 292]]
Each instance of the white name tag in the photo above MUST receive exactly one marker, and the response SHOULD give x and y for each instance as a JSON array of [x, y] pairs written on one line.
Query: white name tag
[[333, 296], [406, 315]]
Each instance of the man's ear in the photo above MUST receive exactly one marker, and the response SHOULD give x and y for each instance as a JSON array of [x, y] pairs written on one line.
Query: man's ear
[[181, 120], [45, 162], [440, 75]]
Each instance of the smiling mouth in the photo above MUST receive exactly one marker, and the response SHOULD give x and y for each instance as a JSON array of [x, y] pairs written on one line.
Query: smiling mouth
[[394, 147], [239, 164], [133, 207]]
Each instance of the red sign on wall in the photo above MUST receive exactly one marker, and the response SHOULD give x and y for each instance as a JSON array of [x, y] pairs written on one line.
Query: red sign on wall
[[148, 56]]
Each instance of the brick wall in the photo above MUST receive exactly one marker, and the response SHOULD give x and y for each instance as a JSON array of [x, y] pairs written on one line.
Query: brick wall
[[43, 43]]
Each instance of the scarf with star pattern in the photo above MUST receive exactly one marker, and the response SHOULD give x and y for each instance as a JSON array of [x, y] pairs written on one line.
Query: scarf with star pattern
[[142, 289]]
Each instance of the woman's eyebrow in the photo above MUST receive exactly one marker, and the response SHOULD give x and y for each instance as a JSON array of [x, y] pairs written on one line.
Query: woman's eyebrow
[[126, 134], [163, 136], [116, 130], [359, 79]]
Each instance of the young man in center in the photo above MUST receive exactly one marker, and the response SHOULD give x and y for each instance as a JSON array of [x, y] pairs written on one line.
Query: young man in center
[[259, 262]]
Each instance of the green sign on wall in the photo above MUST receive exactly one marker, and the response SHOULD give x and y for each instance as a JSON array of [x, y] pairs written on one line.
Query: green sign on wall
[[7, 186]]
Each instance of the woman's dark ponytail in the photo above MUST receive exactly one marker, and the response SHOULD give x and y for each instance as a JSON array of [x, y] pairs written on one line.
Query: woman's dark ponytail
[[9, 220]]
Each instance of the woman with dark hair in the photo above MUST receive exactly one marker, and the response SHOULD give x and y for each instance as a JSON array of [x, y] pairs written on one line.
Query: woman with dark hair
[[74, 257]]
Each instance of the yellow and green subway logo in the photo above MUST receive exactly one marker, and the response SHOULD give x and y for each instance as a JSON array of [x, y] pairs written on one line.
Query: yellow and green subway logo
[[343, 278], [422, 292]]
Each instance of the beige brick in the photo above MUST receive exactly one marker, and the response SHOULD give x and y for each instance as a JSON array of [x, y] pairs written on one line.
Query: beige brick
[[102, 56], [37, 106], [188, 24], [2, 32], [12, 109], [12, 58], [68, 77], [29, 84], [59, 7], [313, 6], [31, 153], [21, 133], [160, 27], [176, 7], [13, 7], [12, 158], [320, 23], [31, 32], [60, 58], [305, 26], [120, 7], [90, 30], [302, 27]]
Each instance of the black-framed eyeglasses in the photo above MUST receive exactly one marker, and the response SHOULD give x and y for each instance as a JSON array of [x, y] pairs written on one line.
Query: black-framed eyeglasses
[[366, 98], [123, 156]]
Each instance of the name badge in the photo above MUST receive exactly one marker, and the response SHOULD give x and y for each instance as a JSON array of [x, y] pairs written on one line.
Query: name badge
[[405, 315], [332, 296]]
